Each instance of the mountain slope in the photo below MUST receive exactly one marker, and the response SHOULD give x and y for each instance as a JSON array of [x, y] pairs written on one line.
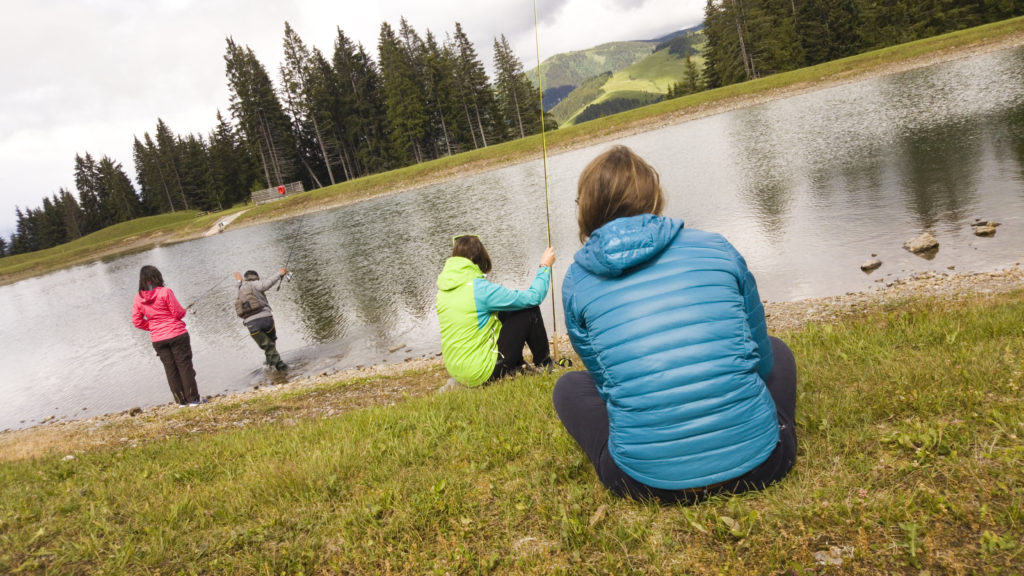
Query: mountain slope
[[571, 69], [643, 82]]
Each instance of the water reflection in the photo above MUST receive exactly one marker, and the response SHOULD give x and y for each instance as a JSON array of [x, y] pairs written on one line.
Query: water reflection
[[807, 188], [938, 167]]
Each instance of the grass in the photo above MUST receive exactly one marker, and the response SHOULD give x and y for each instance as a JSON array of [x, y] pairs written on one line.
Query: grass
[[911, 430], [655, 74], [131, 235]]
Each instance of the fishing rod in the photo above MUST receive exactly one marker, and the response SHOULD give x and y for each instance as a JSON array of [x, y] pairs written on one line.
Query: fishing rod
[[291, 250], [547, 187]]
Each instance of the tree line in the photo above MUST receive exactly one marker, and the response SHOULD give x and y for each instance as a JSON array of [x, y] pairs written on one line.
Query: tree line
[[326, 120], [748, 39]]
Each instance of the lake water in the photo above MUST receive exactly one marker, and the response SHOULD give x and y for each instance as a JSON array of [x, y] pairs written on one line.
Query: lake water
[[807, 188]]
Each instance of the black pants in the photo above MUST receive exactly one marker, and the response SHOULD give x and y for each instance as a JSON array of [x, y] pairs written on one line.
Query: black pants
[[519, 327], [176, 355], [264, 333], [585, 416]]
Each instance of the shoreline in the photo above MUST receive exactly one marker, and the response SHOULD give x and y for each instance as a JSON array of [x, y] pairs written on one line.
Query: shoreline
[[372, 386], [329, 395]]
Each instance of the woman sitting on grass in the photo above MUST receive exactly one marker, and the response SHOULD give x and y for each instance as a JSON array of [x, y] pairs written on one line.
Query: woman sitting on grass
[[484, 325], [685, 394]]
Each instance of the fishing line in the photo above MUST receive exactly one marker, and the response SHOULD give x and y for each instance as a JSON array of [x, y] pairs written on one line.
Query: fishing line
[[203, 295], [547, 187], [291, 250]]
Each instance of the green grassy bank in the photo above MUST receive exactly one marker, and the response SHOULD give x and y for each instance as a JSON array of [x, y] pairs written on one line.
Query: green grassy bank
[[183, 225], [911, 430], [140, 233]]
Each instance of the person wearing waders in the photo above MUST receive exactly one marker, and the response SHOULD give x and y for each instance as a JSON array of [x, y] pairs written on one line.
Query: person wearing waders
[[252, 307]]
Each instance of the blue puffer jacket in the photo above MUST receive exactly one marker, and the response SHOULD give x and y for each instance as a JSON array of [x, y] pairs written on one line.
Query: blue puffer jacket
[[669, 323]]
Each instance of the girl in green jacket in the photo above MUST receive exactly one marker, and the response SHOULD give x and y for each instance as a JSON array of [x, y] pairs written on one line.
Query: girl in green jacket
[[483, 325]]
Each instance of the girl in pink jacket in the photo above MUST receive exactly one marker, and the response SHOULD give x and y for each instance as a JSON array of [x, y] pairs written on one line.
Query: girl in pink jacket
[[158, 311]]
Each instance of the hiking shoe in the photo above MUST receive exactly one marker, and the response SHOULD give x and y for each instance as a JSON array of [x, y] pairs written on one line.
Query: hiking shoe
[[529, 369], [197, 402], [281, 367]]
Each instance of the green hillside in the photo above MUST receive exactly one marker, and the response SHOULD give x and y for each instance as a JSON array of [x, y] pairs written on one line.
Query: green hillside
[[652, 74], [579, 98], [644, 82], [574, 68]]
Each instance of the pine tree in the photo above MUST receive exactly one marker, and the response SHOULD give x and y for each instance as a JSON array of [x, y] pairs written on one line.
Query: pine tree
[[71, 215], [154, 181], [359, 113], [259, 114], [233, 172], [169, 162], [297, 88], [3, 247], [478, 102], [447, 134], [24, 239], [828, 29], [49, 229], [404, 99], [120, 202], [89, 193], [517, 97], [691, 82], [195, 172]]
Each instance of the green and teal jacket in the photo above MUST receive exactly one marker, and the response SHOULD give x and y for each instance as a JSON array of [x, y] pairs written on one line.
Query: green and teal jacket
[[466, 307]]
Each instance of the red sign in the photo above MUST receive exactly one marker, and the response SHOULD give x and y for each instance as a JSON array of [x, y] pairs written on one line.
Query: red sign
[[280, 190]]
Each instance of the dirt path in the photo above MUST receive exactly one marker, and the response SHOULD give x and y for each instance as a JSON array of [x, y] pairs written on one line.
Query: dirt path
[[222, 224]]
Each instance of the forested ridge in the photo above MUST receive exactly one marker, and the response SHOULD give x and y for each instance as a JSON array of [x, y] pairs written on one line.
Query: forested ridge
[[324, 120], [748, 39], [330, 119]]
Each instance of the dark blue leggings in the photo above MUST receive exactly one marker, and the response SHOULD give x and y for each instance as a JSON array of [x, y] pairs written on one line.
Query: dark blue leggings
[[585, 416]]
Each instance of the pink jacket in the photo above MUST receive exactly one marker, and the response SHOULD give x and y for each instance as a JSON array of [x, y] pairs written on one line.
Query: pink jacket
[[158, 311]]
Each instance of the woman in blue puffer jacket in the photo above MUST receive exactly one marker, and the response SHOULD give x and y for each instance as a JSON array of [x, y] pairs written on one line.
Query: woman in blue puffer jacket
[[685, 394]]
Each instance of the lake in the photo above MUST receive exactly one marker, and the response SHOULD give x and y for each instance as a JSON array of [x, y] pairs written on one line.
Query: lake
[[806, 188]]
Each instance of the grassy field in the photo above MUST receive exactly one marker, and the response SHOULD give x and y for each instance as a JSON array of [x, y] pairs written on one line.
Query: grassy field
[[12, 269], [652, 75], [132, 235], [656, 74], [911, 431]]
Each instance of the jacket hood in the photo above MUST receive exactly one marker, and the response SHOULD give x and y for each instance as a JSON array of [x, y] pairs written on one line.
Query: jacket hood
[[457, 271], [149, 296], [626, 243]]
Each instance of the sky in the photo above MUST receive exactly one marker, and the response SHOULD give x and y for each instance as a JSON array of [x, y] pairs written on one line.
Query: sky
[[90, 75]]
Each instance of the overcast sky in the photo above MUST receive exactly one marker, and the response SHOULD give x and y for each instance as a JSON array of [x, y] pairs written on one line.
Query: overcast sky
[[89, 75]]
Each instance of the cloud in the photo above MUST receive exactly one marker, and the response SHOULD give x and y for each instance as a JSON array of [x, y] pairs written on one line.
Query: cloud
[[89, 75]]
